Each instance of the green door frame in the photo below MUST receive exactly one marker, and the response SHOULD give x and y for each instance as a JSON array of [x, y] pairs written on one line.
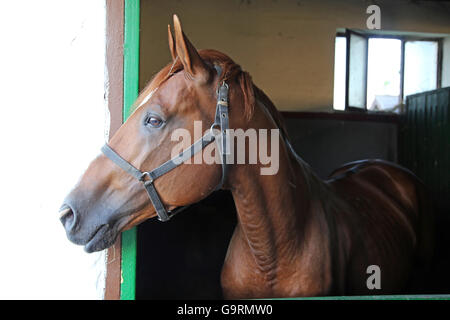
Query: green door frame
[[130, 93]]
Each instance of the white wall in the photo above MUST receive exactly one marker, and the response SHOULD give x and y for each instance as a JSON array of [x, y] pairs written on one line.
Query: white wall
[[52, 125]]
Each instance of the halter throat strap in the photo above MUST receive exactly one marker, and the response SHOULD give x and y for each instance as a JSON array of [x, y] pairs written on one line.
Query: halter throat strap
[[148, 177]]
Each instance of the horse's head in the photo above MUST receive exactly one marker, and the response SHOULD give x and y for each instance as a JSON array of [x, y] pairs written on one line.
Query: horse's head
[[108, 200]]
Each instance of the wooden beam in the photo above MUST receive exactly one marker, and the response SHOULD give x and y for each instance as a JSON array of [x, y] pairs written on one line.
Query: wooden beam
[[114, 96]]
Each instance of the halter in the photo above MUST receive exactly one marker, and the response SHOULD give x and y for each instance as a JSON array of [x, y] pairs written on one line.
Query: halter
[[148, 177]]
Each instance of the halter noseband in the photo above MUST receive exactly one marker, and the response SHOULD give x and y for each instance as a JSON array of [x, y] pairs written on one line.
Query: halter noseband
[[148, 177]]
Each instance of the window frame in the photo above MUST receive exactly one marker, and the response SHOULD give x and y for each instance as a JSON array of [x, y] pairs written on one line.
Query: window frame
[[403, 39]]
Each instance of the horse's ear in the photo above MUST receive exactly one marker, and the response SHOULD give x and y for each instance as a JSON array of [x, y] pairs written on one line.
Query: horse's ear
[[173, 51], [188, 55]]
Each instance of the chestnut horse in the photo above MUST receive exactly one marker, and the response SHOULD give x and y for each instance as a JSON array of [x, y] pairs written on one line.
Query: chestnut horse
[[297, 235]]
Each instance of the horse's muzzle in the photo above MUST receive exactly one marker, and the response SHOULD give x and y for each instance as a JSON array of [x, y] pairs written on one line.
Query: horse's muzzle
[[98, 236]]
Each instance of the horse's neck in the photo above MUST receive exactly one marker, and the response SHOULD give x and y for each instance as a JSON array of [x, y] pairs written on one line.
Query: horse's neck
[[278, 215], [275, 211]]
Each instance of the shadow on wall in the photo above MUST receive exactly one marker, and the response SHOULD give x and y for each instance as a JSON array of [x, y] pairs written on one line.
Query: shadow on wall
[[183, 258]]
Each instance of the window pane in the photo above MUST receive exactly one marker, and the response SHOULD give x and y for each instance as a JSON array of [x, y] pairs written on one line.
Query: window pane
[[357, 70], [340, 57], [420, 66], [383, 78]]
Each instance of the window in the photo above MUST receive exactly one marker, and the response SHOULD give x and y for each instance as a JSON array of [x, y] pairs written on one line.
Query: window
[[356, 71], [384, 74], [376, 72], [421, 66], [339, 73]]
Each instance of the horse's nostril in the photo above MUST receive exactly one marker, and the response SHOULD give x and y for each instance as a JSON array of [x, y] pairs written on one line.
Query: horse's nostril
[[64, 212], [66, 216]]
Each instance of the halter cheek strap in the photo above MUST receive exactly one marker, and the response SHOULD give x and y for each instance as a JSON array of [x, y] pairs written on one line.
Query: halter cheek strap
[[221, 120], [148, 177]]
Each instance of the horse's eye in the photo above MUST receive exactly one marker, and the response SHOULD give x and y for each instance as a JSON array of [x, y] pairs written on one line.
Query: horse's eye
[[153, 121]]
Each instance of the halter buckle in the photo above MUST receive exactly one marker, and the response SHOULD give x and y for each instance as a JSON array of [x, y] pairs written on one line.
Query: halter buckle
[[223, 84]]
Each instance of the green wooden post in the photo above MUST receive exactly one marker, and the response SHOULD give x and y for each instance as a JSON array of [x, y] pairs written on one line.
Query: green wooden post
[[130, 93]]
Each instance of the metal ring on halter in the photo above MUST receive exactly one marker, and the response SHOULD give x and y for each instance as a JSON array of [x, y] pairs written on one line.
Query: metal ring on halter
[[211, 129], [146, 174]]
